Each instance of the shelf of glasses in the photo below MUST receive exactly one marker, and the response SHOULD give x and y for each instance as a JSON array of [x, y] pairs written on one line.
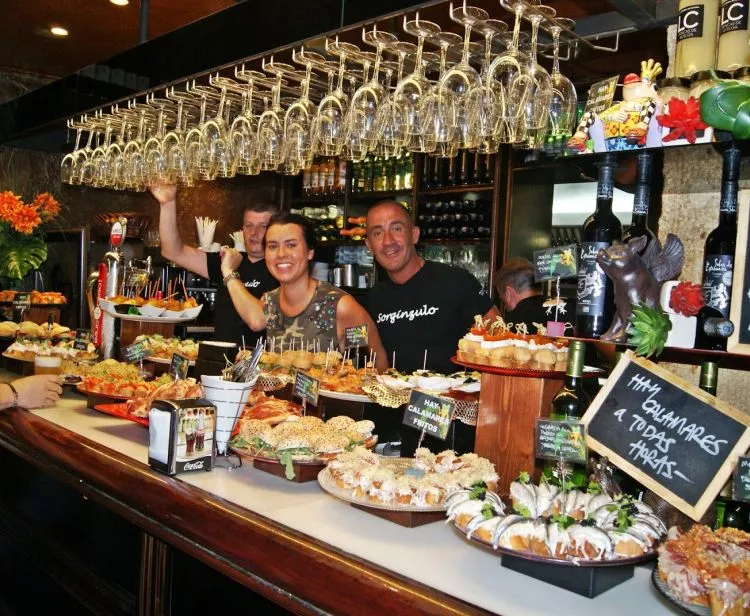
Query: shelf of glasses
[[456, 241], [333, 198], [453, 190], [735, 361]]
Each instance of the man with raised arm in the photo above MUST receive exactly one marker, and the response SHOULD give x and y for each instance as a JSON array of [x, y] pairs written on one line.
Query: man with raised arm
[[252, 271]]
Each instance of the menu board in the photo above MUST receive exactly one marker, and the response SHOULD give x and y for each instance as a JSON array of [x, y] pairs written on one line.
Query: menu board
[[355, 337], [557, 262], [22, 301], [429, 414], [739, 341], [134, 352], [82, 339], [741, 483], [601, 94], [178, 366], [676, 439]]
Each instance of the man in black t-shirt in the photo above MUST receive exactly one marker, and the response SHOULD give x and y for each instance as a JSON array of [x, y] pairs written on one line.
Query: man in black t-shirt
[[522, 296], [423, 306], [229, 326]]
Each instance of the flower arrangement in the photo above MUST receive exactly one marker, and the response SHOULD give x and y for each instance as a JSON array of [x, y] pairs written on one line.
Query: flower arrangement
[[22, 246], [683, 120], [686, 299]]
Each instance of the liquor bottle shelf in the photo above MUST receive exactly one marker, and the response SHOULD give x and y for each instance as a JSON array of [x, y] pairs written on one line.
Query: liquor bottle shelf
[[378, 194], [453, 190]]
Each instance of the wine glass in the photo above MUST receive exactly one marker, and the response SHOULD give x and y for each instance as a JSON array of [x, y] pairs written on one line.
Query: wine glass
[[439, 105], [390, 127], [331, 117], [562, 108], [483, 102], [509, 76], [299, 117], [69, 165], [271, 121], [462, 77], [244, 130], [412, 88], [536, 110]]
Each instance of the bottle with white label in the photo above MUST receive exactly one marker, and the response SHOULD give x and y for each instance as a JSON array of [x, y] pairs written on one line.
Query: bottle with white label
[[718, 260], [697, 22], [734, 51], [595, 306]]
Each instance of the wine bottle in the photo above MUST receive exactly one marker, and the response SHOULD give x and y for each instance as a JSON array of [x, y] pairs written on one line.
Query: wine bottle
[[451, 178], [407, 180], [709, 377], [571, 402], [718, 260], [712, 329], [595, 306], [639, 223], [466, 166], [427, 170]]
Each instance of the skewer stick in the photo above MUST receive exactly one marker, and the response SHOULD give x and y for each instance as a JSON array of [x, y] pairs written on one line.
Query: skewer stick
[[424, 363]]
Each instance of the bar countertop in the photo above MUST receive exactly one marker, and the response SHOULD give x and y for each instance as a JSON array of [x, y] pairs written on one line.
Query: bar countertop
[[293, 542]]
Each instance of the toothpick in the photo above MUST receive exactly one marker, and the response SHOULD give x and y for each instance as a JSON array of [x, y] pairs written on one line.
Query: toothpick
[[424, 363], [393, 360]]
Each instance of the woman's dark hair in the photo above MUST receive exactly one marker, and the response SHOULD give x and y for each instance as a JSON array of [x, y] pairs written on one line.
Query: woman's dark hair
[[286, 218]]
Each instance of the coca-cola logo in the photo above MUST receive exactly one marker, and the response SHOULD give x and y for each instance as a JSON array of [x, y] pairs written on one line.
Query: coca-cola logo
[[194, 466]]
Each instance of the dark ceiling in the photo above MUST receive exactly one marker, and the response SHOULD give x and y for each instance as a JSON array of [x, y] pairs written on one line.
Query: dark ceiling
[[98, 30]]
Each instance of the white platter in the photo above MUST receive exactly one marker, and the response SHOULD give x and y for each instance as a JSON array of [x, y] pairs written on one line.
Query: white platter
[[142, 319]]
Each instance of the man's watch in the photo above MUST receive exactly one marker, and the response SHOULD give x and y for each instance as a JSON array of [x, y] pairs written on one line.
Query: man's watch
[[15, 394], [231, 276]]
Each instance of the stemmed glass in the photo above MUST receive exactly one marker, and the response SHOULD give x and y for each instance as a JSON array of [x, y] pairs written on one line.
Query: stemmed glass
[[299, 118], [69, 166], [439, 105], [330, 122], [562, 107], [363, 109], [390, 127], [271, 122], [153, 150], [484, 103], [536, 110], [244, 131], [411, 89], [509, 76], [462, 77]]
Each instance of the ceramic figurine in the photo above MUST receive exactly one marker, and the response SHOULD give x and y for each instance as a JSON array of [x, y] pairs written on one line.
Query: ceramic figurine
[[638, 278]]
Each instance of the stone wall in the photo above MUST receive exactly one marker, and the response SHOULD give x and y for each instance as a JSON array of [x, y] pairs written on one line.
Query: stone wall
[[690, 209]]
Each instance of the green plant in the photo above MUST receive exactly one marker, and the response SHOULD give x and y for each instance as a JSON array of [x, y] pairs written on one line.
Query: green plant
[[648, 330]]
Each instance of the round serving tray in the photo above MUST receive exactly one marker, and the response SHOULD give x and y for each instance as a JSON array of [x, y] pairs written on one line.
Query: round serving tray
[[327, 482], [588, 371], [342, 395], [142, 319], [559, 562], [666, 592], [96, 394], [243, 452]]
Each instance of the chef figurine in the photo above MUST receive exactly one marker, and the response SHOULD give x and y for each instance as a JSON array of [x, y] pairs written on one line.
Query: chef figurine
[[626, 124]]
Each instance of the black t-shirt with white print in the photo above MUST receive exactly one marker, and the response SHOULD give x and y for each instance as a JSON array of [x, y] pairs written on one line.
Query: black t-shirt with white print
[[431, 310], [257, 279]]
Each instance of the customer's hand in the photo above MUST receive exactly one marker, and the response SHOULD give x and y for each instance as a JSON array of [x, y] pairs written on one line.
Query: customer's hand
[[164, 193], [37, 391], [231, 259]]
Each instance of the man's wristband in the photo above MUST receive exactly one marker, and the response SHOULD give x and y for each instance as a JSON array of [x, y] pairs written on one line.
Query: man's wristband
[[15, 394], [230, 276]]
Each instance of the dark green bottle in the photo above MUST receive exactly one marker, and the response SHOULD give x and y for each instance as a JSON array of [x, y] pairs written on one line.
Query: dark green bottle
[[571, 402]]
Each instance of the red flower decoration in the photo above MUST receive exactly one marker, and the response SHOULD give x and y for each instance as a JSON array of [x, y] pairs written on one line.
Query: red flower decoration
[[687, 299], [683, 120]]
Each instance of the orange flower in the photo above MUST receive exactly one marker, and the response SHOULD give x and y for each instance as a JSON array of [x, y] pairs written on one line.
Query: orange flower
[[47, 206], [9, 203], [25, 219]]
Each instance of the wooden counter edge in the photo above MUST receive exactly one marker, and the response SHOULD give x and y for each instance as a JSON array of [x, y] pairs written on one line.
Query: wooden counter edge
[[271, 559]]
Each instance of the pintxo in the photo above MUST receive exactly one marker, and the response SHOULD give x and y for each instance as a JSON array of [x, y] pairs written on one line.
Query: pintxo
[[674, 438]]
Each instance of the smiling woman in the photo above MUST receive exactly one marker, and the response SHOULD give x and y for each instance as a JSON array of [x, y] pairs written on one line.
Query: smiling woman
[[303, 312]]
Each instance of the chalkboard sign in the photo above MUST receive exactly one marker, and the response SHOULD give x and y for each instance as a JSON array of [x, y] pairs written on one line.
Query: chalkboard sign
[[306, 387], [81, 342], [22, 301], [601, 94], [739, 341], [557, 262], [560, 439], [741, 483], [134, 352], [355, 337], [178, 366], [676, 439], [429, 414]]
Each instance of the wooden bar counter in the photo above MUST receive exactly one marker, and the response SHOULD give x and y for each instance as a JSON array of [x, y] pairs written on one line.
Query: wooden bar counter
[[291, 543]]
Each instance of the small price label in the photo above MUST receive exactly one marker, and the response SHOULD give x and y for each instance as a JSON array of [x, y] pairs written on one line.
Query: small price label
[[306, 387], [741, 483], [178, 367], [81, 342], [134, 352], [557, 440], [22, 301], [355, 337], [429, 414]]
